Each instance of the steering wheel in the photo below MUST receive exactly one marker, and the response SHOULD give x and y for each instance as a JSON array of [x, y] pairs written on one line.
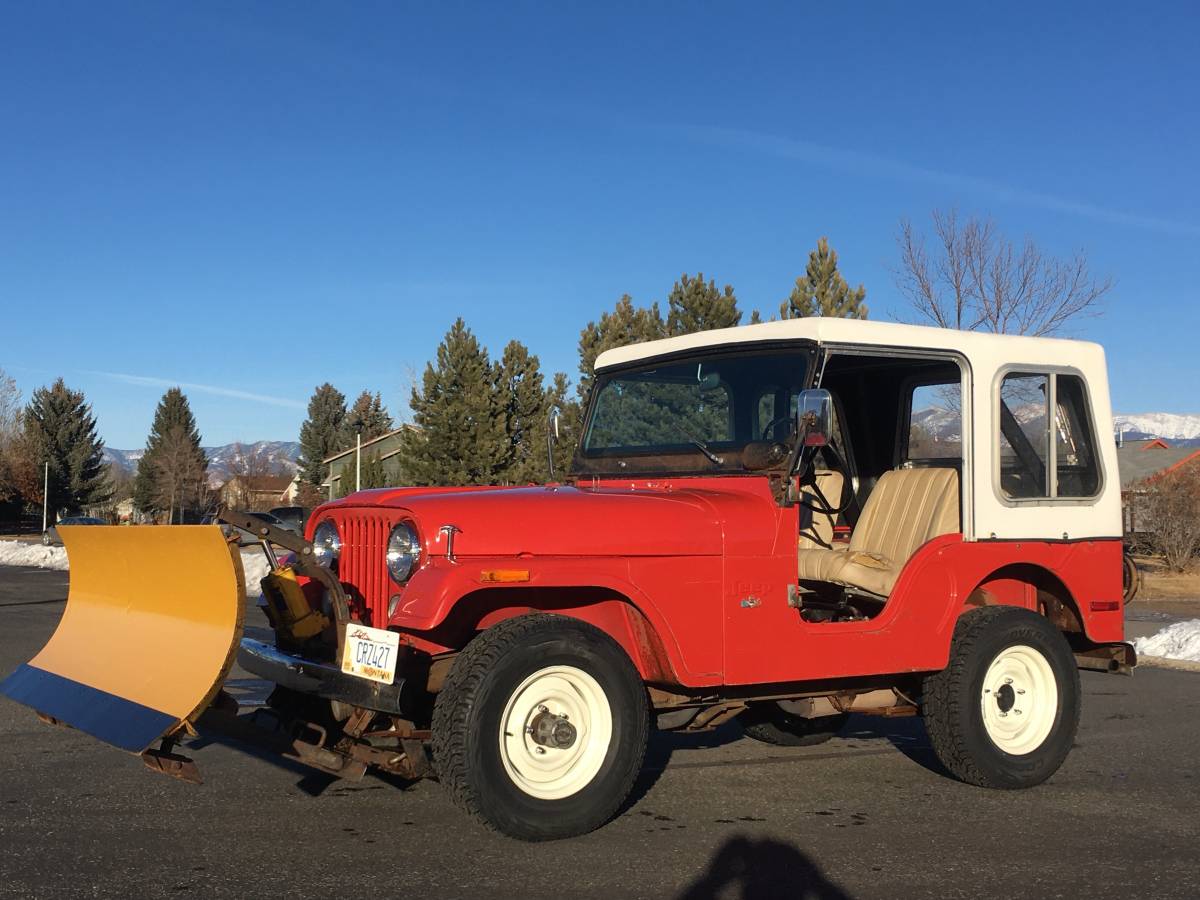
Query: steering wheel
[[834, 462], [770, 426]]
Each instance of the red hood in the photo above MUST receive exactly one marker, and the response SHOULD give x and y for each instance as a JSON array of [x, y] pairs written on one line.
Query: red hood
[[690, 517]]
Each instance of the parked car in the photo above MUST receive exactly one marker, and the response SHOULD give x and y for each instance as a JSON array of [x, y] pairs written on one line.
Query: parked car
[[292, 517], [50, 536]]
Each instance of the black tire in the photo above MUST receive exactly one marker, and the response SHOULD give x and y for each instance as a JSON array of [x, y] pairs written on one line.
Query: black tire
[[1131, 578], [954, 700], [768, 723], [467, 736]]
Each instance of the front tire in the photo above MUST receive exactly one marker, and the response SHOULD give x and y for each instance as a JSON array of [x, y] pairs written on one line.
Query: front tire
[[540, 728], [1005, 710]]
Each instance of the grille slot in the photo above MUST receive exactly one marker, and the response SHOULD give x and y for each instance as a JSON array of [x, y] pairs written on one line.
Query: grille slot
[[363, 565]]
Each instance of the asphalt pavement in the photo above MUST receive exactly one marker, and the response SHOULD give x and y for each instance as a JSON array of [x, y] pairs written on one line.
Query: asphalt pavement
[[870, 814]]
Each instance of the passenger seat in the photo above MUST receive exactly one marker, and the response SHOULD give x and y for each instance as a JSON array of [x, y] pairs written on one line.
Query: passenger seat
[[907, 508]]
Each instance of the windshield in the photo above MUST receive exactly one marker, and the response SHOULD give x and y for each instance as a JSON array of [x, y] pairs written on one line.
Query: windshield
[[702, 412]]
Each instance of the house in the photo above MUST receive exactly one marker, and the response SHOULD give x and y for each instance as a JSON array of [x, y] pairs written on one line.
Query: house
[[386, 448], [255, 492], [1140, 462]]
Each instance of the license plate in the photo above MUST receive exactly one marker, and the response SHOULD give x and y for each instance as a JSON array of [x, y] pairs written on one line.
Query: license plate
[[371, 653]]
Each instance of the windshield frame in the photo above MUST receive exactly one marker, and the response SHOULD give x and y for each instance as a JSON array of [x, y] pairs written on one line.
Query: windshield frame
[[683, 461]]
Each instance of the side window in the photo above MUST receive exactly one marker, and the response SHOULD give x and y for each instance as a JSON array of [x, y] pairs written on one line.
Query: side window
[[1043, 455], [934, 422]]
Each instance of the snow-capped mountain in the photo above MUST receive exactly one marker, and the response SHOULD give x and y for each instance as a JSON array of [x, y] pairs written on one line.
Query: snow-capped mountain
[[267, 456], [1171, 426]]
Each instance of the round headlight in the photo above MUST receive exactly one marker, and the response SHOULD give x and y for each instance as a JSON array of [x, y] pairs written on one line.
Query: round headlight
[[327, 544], [403, 552]]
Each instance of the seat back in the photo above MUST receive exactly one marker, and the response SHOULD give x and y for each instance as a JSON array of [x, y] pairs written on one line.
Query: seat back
[[907, 508], [816, 527]]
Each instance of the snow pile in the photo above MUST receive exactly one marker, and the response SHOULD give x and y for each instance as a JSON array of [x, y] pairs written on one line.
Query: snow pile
[[19, 553], [255, 566], [1178, 641]]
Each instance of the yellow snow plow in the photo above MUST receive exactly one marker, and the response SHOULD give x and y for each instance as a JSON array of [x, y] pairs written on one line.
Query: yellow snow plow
[[151, 628], [153, 625]]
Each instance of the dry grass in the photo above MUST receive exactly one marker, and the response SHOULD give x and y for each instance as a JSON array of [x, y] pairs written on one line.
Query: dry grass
[[1158, 583]]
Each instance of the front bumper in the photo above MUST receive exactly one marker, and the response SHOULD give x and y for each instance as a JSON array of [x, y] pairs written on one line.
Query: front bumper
[[322, 679]]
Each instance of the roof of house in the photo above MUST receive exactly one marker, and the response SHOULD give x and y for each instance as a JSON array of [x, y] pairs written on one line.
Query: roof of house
[[365, 444], [1139, 460], [262, 482], [829, 330]]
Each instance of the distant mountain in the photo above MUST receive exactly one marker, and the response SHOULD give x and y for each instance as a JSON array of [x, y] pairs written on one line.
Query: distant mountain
[[1174, 427], [268, 456], [1179, 430]]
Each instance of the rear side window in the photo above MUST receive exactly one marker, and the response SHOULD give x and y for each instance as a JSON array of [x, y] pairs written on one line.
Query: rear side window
[[1045, 454], [934, 422]]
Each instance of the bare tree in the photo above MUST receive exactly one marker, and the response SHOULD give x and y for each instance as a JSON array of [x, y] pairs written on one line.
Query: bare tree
[[178, 474], [1173, 512], [247, 470], [10, 436], [976, 279]]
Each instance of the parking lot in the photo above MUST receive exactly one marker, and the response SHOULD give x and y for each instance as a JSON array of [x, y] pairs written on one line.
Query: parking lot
[[869, 814]]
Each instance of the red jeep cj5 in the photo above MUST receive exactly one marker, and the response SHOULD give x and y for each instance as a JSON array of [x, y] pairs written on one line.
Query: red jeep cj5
[[782, 523]]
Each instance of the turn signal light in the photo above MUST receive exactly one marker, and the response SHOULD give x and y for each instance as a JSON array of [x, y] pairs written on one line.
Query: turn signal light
[[503, 576], [1105, 605]]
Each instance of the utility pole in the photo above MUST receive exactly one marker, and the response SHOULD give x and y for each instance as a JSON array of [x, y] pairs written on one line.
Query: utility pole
[[45, 496], [358, 459]]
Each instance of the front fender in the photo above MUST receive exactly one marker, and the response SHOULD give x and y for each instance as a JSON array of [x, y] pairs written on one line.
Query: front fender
[[694, 650]]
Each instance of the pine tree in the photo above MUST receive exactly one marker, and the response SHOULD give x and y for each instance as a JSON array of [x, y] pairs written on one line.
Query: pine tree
[[61, 430], [522, 398], [323, 433], [822, 291], [460, 436], [173, 468], [568, 425], [369, 414], [696, 305], [626, 324]]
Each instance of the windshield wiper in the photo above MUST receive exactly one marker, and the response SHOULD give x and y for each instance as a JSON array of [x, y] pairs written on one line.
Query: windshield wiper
[[703, 448]]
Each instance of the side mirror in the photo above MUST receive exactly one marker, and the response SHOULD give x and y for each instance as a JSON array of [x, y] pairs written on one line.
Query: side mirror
[[814, 417], [552, 435]]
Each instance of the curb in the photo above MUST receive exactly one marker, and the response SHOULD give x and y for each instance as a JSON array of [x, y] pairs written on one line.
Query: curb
[[1164, 662]]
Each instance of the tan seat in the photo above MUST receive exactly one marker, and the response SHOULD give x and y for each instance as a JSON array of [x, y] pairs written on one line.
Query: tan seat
[[816, 526], [907, 508]]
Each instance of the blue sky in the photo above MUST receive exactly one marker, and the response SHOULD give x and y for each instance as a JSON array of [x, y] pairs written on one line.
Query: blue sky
[[253, 198]]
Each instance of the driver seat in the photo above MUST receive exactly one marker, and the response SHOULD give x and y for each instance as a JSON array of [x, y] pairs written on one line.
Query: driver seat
[[907, 508]]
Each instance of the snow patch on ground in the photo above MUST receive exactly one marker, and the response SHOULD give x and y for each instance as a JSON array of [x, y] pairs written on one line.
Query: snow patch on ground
[[1178, 641], [19, 553]]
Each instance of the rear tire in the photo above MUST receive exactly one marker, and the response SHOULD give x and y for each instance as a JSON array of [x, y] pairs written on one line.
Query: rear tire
[[1004, 712], [1131, 577], [525, 682], [771, 725]]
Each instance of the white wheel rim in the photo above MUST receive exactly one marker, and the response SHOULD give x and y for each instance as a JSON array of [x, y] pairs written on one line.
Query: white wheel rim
[[1019, 700], [549, 772]]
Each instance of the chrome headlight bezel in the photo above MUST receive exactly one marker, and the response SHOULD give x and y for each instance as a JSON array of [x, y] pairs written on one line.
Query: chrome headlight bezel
[[327, 544], [403, 551]]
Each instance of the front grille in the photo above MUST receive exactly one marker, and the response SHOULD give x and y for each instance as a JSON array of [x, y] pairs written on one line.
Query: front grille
[[362, 567]]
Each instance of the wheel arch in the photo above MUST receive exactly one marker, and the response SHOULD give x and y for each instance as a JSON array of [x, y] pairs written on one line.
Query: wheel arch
[[1029, 586], [612, 611]]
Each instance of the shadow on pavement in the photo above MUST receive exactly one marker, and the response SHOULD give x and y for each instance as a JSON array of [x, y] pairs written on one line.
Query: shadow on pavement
[[906, 734], [759, 869]]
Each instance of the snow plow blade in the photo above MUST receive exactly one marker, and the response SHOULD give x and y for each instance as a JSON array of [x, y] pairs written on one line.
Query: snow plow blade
[[151, 628]]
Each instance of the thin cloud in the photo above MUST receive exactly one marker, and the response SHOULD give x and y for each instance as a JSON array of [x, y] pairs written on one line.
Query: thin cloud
[[881, 166], [148, 381]]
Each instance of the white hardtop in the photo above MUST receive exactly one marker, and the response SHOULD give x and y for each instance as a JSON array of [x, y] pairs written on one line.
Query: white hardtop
[[820, 330], [986, 512]]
